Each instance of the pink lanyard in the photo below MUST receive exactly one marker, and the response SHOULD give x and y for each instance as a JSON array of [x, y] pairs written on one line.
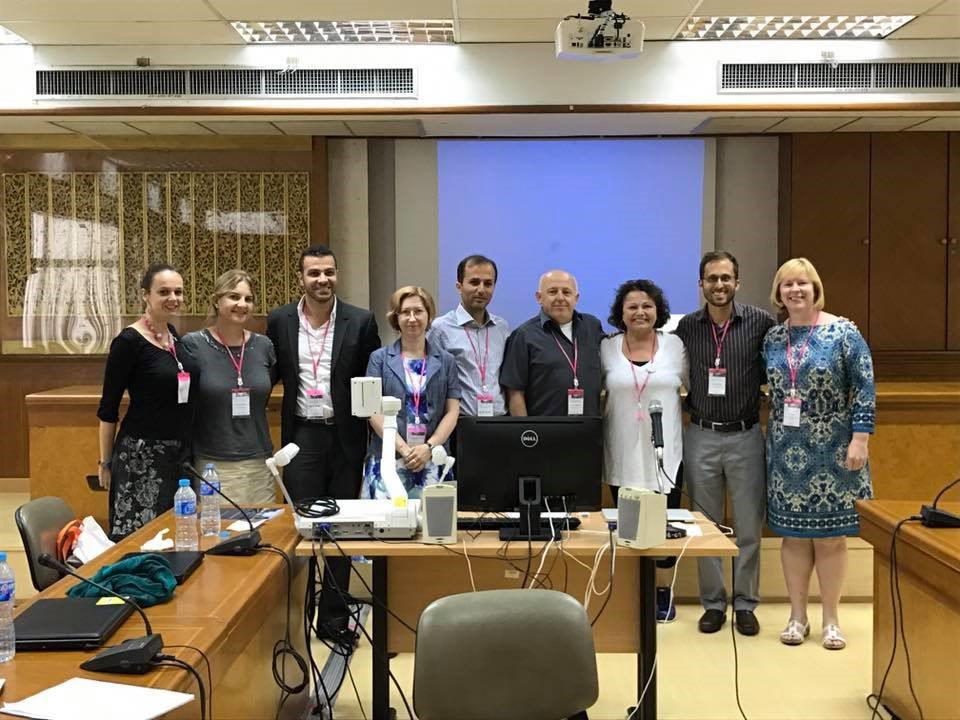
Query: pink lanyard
[[637, 387], [572, 363], [169, 348], [794, 367], [718, 343], [416, 390], [315, 359], [233, 360], [481, 364]]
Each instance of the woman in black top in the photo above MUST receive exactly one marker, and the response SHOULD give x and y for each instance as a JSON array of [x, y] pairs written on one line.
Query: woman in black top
[[140, 465]]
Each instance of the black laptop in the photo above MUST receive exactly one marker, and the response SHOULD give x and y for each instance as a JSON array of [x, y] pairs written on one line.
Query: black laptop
[[182, 562], [69, 623]]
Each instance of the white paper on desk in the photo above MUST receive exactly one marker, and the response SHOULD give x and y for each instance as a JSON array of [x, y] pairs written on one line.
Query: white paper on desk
[[693, 530], [257, 520], [82, 699]]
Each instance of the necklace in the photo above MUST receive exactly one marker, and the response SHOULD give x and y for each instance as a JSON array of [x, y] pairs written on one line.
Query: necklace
[[162, 339]]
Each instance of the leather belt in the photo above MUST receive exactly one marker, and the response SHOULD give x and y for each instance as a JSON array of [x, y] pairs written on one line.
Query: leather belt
[[315, 421], [735, 426]]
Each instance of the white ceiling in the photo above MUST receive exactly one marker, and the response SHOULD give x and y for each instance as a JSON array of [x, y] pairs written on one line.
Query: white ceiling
[[494, 125], [207, 22]]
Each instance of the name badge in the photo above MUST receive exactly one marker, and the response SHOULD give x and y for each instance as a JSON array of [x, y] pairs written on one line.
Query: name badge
[[575, 401], [416, 434], [791, 411], [183, 387], [717, 382], [484, 405], [314, 403], [240, 402]]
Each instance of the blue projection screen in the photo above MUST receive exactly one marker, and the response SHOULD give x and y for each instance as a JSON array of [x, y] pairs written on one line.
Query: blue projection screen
[[606, 210]]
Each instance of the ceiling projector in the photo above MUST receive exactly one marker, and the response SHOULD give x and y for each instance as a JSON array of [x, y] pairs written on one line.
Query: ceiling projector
[[601, 34]]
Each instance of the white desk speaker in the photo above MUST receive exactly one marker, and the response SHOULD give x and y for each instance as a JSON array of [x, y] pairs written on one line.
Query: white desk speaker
[[641, 518], [439, 509]]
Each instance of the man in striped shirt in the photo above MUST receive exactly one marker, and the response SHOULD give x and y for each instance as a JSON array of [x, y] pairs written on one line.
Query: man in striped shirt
[[722, 446]]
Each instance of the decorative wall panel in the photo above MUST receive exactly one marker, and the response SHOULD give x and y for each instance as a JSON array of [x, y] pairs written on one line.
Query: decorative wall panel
[[76, 244]]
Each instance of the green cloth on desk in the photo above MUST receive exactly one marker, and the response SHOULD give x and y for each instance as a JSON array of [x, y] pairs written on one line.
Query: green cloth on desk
[[145, 579]]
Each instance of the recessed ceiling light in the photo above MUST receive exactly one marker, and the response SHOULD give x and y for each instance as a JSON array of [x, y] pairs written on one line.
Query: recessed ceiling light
[[8, 37], [793, 27], [346, 31]]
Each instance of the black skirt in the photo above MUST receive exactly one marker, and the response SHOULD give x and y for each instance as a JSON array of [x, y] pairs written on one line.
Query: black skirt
[[143, 480]]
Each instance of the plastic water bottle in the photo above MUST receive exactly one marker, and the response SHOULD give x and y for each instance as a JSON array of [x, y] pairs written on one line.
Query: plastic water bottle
[[185, 514], [210, 502], [8, 644]]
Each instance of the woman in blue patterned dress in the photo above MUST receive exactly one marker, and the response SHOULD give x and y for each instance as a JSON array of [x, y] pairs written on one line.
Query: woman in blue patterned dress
[[425, 378], [822, 407]]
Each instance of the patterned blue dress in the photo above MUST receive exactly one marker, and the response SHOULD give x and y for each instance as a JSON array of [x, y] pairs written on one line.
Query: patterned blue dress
[[809, 492]]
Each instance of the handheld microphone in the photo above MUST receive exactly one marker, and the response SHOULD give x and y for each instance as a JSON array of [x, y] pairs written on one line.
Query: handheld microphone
[[132, 656], [246, 543], [655, 408]]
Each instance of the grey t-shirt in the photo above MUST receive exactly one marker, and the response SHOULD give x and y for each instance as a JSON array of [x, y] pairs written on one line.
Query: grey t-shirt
[[216, 433]]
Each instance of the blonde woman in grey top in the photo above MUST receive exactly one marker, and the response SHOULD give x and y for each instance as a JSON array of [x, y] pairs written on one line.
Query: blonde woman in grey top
[[230, 425]]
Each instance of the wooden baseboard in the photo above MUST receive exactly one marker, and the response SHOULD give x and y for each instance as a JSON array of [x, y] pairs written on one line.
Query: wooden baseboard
[[858, 586]]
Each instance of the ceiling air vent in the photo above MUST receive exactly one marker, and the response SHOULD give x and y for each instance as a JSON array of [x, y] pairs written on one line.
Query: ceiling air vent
[[907, 75], [83, 84]]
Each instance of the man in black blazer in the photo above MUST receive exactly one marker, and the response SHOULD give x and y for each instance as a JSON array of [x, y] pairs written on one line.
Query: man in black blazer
[[321, 343]]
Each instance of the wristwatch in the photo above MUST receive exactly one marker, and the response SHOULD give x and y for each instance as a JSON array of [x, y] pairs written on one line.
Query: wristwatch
[[108, 464], [430, 445]]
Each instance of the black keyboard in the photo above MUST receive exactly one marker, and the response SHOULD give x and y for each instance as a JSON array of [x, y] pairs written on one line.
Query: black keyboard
[[495, 522]]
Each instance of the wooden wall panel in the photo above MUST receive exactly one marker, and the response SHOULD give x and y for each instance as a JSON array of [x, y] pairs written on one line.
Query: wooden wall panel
[[953, 250], [830, 216], [908, 227], [20, 376]]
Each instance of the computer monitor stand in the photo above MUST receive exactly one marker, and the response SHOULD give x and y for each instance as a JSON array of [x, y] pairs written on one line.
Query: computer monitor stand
[[530, 527]]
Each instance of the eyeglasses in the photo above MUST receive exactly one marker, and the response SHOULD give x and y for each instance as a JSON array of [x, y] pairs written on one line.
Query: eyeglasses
[[719, 279]]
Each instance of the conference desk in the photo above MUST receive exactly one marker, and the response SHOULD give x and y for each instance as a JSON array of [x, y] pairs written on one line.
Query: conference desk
[[231, 608], [929, 568], [407, 576]]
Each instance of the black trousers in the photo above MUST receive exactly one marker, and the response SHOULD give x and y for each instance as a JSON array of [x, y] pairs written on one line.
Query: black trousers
[[323, 469]]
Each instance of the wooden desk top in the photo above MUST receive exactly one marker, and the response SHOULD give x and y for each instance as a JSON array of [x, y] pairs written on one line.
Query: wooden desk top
[[583, 542], [878, 518], [218, 610]]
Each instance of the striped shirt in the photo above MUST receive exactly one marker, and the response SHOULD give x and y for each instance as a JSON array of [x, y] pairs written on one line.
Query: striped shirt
[[740, 357]]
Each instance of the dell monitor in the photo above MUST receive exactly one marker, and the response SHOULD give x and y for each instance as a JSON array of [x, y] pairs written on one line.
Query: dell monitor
[[505, 462]]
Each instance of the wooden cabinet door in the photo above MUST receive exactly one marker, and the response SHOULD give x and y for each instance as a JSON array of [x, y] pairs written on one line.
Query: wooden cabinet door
[[908, 229], [953, 249], [830, 215]]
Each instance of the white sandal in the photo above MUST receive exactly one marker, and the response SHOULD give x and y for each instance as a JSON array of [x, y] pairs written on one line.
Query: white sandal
[[832, 639], [795, 632]]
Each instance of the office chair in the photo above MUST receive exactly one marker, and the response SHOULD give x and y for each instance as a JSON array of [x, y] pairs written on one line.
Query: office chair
[[39, 521], [505, 654]]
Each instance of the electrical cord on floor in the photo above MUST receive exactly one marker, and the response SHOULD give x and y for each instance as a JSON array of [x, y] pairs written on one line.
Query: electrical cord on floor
[[309, 608], [164, 660], [895, 602], [364, 630], [283, 648], [206, 660], [733, 638]]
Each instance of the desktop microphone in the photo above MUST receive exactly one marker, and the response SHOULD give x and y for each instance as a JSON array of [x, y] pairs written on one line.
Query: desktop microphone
[[283, 457], [935, 517], [134, 656], [246, 543], [655, 408]]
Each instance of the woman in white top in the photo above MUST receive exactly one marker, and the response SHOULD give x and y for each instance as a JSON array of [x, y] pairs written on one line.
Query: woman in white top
[[640, 364]]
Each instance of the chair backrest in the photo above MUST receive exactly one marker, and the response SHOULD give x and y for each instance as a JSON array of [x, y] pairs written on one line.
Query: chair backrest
[[39, 521], [505, 654]]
